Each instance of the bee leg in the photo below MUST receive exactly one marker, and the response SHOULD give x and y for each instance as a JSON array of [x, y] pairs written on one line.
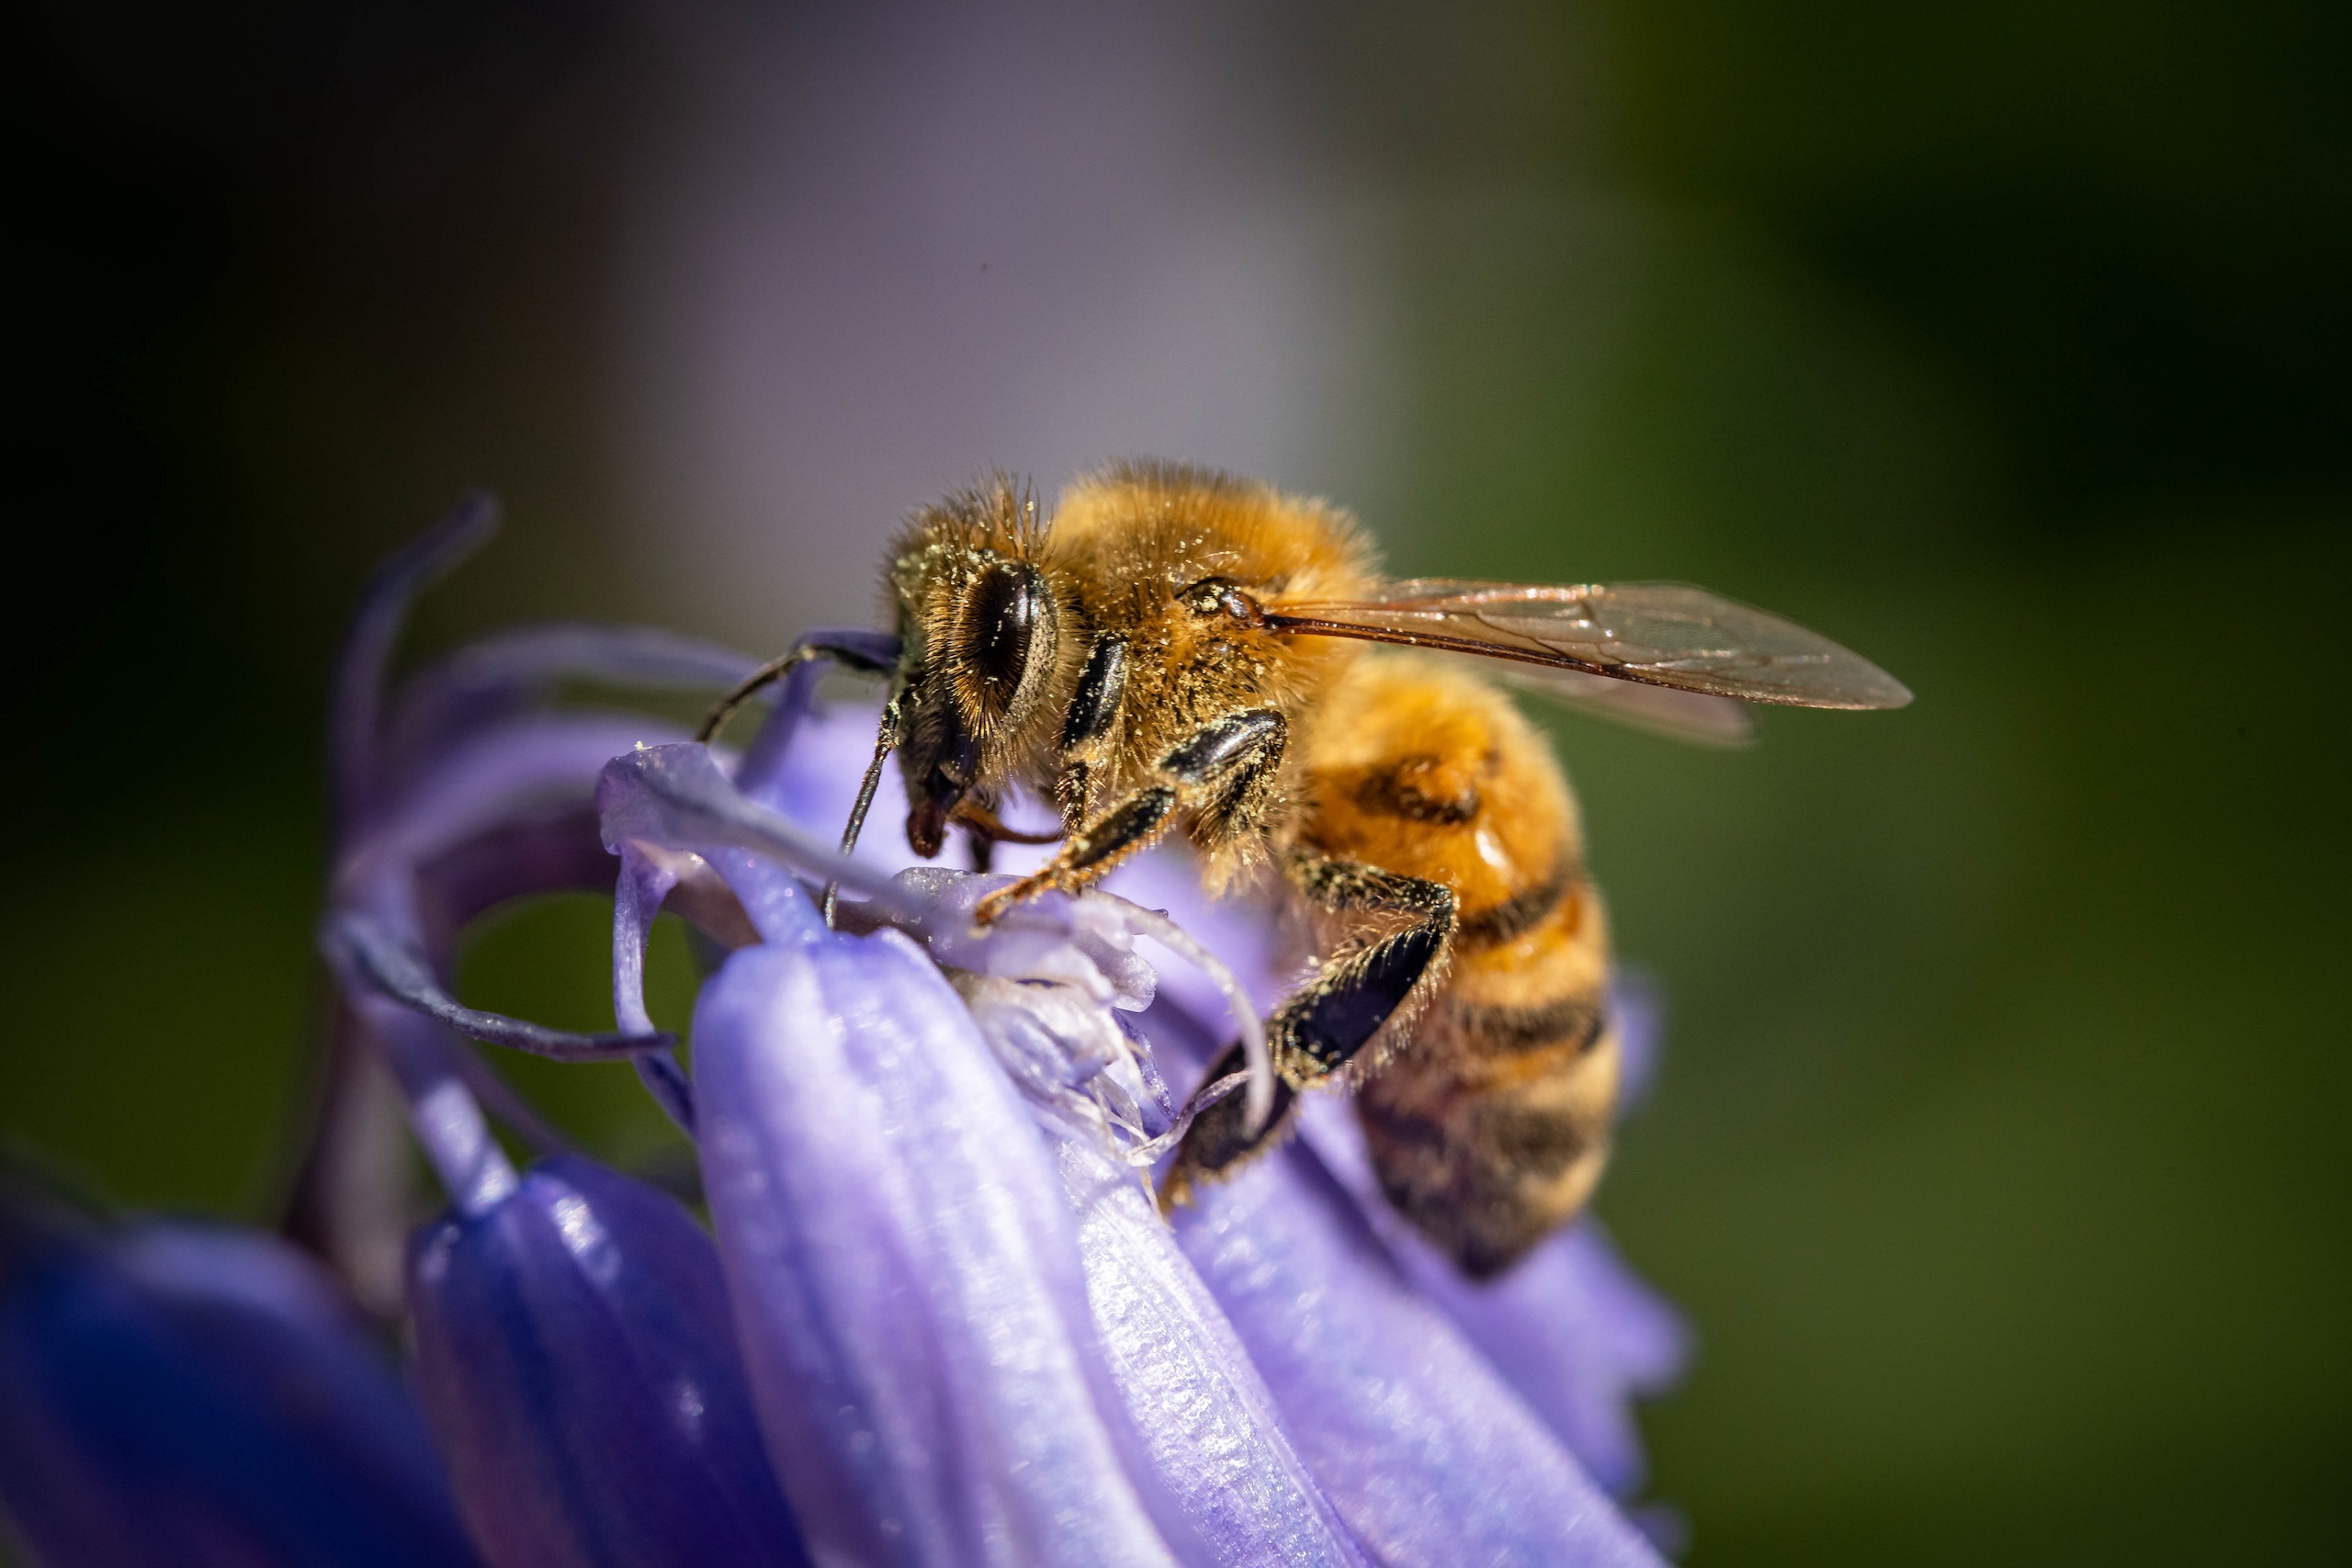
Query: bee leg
[[1087, 726], [1219, 1138], [1322, 1028], [1228, 761]]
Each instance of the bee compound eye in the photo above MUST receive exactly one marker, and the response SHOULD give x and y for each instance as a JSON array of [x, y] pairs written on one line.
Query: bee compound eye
[[1001, 612]]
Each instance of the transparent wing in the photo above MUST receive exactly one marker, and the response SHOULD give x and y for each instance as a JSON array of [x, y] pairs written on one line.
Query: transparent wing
[[1659, 634], [1694, 716]]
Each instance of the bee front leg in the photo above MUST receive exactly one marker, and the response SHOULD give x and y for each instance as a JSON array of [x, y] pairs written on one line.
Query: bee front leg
[[1228, 761], [1324, 1026]]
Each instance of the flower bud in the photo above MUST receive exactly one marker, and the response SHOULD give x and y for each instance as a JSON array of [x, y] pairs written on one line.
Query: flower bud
[[578, 1367]]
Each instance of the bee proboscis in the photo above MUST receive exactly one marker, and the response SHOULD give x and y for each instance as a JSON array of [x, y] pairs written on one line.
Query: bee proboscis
[[1179, 651]]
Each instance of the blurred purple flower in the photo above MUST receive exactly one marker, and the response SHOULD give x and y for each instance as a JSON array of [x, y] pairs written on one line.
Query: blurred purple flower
[[938, 1319], [182, 1396]]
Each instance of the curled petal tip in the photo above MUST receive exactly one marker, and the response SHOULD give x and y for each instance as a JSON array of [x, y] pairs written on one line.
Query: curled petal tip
[[676, 796], [463, 529], [368, 955]]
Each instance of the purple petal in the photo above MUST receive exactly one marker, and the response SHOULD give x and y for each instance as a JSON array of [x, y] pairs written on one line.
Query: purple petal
[[905, 1278], [442, 1112], [806, 763], [191, 1398], [371, 960], [675, 797], [1204, 1416], [538, 847], [646, 879], [1639, 1011], [488, 779], [1425, 1452], [784, 735], [576, 1362], [356, 719], [1569, 1327], [492, 679]]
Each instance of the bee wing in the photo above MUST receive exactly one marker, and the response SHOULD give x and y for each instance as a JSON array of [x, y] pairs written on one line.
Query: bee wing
[[1658, 633], [1694, 716]]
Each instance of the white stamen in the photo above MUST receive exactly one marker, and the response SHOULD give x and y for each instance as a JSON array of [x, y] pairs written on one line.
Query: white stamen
[[1155, 924]]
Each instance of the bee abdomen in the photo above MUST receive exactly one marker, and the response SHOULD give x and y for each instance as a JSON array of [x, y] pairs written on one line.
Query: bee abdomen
[[1490, 1128], [1487, 1169], [1569, 1025], [1514, 917], [1488, 1114]]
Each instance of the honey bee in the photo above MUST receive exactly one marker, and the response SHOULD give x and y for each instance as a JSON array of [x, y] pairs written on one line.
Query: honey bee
[[1179, 652]]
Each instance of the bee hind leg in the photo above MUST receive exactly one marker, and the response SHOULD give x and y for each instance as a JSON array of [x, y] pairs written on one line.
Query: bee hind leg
[[1322, 1028]]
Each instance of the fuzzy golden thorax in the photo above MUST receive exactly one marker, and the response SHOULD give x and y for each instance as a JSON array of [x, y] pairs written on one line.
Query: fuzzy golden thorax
[[1146, 547]]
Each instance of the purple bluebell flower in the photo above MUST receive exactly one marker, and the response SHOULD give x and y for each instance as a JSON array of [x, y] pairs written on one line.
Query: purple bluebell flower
[[937, 1318]]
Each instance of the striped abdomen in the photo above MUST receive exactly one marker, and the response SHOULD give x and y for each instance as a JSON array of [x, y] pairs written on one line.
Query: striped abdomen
[[1487, 1104]]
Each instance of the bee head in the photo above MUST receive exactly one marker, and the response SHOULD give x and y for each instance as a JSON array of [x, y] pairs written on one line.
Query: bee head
[[982, 628]]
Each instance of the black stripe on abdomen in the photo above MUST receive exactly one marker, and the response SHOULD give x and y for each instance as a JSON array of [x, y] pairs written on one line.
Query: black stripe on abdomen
[[1502, 1031], [1520, 913]]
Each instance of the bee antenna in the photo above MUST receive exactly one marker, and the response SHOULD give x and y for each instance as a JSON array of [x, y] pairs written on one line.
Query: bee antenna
[[885, 742], [766, 676]]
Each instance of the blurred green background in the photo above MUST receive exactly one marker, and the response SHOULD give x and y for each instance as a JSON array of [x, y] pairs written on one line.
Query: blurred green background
[[2000, 1155]]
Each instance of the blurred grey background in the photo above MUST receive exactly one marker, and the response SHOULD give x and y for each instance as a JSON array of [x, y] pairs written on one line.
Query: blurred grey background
[[2000, 1154]]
